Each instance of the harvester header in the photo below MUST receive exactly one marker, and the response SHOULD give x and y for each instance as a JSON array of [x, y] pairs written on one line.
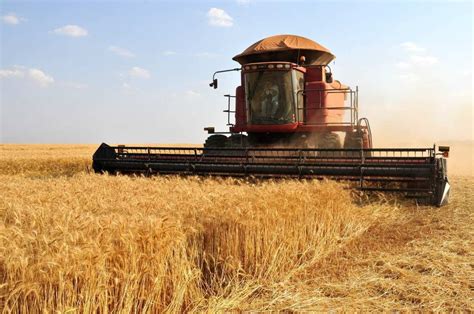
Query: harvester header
[[290, 118]]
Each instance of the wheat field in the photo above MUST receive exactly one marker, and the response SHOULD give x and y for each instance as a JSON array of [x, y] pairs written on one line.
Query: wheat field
[[75, 241]]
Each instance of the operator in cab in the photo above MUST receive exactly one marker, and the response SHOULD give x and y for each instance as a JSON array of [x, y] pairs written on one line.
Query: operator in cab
[[270, 98]]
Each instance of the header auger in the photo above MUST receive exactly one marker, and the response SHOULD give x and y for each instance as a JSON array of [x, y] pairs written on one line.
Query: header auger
[[287, 121]]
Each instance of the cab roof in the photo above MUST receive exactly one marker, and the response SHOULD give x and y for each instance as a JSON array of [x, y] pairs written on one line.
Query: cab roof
[[285, 48]]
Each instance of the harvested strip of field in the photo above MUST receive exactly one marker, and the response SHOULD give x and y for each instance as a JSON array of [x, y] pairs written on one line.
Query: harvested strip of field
[[75, 240]]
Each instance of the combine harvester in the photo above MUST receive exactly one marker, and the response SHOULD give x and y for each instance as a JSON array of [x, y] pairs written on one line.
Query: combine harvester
[[286, 121]]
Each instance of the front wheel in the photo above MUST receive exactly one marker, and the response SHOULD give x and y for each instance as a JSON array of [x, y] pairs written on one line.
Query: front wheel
[[358, 140], [238, 141], [216, 141], [330, 140], [353, 140]]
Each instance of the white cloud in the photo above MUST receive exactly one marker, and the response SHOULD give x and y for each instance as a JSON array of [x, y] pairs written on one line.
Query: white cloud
[[466, 73], [169, 53], [409, 77], [129, 89], [122, 52], [71, 31], [40, 77], [192, 93], [10, 73], [417, 58], [138, 72], [206, 55], [35, 75], [12, 19], [423, 60], [403, 65], [220, 18], [411, 47]]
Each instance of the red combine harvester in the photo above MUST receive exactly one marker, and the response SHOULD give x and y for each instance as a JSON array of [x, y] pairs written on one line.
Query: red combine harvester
[[288, 98], [288, 118]]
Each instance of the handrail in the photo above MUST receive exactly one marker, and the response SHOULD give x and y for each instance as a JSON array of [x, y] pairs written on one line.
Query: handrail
[[228, 111], [352, 107]]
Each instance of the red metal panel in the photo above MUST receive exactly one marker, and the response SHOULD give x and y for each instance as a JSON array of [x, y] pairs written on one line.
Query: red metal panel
[[318, 99], [314, 74], [240, 112], [324, 128], [274, 128]]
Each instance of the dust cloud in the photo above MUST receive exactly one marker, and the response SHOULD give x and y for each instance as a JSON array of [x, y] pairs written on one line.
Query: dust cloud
[[424, 113]]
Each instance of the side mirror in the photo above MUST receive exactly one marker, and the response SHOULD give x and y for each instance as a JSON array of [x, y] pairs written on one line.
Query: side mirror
[[329, 77], [214, 83], [444, 150], [210, 130]]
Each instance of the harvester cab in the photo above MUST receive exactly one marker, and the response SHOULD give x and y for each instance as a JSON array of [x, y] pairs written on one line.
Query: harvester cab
[[288, 98], [287, 119]]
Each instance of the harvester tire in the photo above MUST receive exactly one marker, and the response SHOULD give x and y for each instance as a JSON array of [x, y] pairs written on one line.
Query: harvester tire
[[216, 141], [353, 140], [238, 140], [330, 140]]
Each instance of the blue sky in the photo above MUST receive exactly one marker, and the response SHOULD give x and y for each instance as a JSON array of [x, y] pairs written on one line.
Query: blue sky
[[138, 71]]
